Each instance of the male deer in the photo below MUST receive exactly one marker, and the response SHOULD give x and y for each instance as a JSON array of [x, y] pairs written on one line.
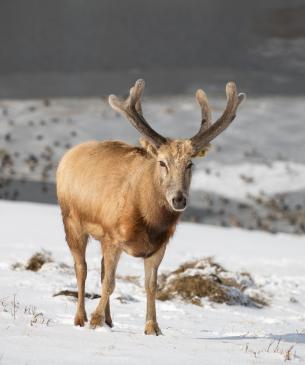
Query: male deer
[[130, 197]]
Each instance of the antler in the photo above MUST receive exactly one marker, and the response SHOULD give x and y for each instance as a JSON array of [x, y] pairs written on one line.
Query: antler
[[209, 131], [206, 117], [132, 109]]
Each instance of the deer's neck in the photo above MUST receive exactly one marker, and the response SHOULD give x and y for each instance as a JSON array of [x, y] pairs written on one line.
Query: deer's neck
[[153, 205]]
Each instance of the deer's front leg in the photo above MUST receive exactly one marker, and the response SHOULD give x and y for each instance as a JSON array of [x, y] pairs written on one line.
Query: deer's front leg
[[151, 265], [110, 260]]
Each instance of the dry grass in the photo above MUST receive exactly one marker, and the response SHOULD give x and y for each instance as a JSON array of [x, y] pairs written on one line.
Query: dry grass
[[10, 305], [35, 262], [39, 319], [38, 260], [276, 348], [13, 307], [133, 279], [126, 298], [205, 278], [74, 294]]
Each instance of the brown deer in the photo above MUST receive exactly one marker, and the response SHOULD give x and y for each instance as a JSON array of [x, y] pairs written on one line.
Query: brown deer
[[130, 197]]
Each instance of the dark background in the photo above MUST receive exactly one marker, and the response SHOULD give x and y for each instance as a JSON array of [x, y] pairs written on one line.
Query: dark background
[[84, 48]]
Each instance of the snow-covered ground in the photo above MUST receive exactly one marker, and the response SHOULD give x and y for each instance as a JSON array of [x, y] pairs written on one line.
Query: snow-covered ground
[[36, 133], [240, 181], [37, 328], [254, 177]]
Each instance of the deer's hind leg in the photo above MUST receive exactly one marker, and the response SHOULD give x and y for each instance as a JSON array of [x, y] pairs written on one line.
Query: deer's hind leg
[[108, 319], [77, 242]]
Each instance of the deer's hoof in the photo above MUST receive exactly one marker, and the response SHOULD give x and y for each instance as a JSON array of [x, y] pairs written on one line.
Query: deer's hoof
[[80, 319], [152, 328], [97, 320], [108, 321]]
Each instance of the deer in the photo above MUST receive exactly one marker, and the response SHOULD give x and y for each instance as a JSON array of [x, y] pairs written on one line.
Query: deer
[[130, 197]]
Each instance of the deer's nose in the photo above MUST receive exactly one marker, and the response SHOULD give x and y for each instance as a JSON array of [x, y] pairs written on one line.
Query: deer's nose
[[179, 201]]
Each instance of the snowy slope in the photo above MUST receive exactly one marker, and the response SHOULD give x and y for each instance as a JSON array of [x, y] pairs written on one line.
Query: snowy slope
[[36, 133], [240, 181], [254, 176], [214, 334]]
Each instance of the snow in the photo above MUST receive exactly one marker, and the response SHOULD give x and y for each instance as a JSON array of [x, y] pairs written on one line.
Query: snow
[[36, 327], [266, 129], [245, 179], [254, 176]]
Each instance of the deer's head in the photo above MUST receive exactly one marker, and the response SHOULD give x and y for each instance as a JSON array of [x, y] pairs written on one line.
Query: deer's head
[[173, 157]]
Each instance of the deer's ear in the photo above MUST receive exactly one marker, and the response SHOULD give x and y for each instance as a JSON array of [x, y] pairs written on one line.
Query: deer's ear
[[203, 152], [150, 148]]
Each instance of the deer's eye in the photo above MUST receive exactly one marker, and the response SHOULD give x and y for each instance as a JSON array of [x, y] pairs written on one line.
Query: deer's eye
[[162, 164]]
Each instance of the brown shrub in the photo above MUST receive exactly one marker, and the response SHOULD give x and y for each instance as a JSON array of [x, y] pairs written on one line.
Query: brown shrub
[[38, 260], [207, 279]]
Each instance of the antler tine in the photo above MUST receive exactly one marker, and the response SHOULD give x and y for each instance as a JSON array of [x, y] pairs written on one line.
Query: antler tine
[[132, 109], [137, 103], [206, 117], [206, 135]]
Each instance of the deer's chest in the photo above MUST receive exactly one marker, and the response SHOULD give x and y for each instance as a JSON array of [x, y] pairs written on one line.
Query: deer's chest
[[146, 241]]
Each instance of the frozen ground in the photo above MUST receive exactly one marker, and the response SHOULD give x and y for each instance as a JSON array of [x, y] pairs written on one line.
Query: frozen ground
[[36, 327]]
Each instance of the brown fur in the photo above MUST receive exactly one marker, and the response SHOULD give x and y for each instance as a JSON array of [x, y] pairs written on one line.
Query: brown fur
[[109, 190], [116, 193]]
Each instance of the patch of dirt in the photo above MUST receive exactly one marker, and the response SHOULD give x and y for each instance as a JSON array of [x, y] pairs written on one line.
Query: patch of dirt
[[205, 278]]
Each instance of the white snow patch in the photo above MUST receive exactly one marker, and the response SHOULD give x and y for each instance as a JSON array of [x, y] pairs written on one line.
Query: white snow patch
[[215, 334]]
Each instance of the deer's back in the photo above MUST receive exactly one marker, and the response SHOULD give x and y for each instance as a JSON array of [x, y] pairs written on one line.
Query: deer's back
[[94, 177]]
